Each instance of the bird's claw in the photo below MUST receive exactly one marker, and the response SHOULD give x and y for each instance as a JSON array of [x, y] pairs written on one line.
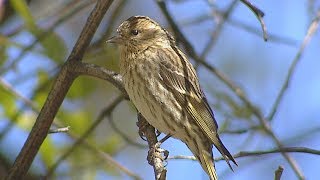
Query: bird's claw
[[157, 152]]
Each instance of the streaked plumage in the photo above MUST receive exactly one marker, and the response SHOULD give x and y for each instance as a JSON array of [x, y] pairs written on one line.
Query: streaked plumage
[[164, 87]]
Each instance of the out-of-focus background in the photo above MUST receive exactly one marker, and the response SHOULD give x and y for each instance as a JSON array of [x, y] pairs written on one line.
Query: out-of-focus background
[[37, 36]]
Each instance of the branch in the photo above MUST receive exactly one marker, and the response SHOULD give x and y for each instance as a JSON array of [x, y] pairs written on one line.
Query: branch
[[59, 130], [215, 34], [99, 72], [98, 152], [99, 119], [237, 90], [278, 173], [312, 29], [56, 95], [259, 153], [155, 158], [259, 14], [43, 35]]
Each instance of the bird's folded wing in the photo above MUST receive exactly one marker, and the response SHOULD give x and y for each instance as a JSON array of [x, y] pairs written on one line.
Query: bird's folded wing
[[183, 83]]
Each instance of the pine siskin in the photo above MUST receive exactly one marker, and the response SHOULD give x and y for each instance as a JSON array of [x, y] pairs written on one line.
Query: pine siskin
[[164, 87]]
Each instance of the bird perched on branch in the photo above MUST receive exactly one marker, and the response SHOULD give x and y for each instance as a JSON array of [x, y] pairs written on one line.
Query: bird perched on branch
[[164, 87]]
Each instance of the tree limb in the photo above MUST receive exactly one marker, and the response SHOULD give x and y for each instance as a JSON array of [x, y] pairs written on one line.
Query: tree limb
[[56, 95]]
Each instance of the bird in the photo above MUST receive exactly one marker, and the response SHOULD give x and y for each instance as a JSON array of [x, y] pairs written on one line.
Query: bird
[[164, 87]]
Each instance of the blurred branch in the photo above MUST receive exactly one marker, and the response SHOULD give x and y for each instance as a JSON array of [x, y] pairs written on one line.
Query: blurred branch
[[278, 173], [259, 153], [311, 30], [241, 25], [79, 140], [108, 31], [98, 152], [43, 35], [254, 31], [123, 135], [215, 34], [57, 95], [240, 131], [237, 90]]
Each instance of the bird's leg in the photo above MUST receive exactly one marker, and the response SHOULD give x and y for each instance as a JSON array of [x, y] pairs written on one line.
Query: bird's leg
[[157, 151], [142, 125], [158, 133]]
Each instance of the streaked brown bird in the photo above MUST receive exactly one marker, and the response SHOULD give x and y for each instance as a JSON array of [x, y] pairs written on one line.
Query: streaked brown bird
[[164, 87]]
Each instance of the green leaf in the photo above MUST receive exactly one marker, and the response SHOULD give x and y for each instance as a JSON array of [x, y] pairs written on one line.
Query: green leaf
[[78, 120], [48, 152], [41, 96], [3, 55], [21, 7], [7, 102], [54, 46], [81, 87]]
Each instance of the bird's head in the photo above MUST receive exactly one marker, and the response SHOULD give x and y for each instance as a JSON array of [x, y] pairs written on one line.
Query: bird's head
[[140, 32]]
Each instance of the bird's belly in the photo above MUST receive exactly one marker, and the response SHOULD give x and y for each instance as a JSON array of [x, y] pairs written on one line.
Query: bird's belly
[[155, 103]]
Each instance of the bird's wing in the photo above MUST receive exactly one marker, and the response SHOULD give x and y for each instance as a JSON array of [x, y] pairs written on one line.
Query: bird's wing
[[180, 77]]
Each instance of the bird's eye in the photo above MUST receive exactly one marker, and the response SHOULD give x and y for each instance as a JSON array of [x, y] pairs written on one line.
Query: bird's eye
[[134, 32]]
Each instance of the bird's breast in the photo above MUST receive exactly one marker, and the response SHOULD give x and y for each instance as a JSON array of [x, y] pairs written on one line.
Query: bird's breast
[[149, 94]]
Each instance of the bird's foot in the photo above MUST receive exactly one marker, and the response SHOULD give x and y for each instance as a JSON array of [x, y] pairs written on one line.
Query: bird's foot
[[157, 152]]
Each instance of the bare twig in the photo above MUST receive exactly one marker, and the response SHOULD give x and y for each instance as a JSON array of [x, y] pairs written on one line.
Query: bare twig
[[56, 95], [99, 119], [43, 35], [259, 14], [242, 25], [215, 34], [59, 130], [312, 29], [98, 152], [123, 135], [278, 173], [191, 52], [259, 153]]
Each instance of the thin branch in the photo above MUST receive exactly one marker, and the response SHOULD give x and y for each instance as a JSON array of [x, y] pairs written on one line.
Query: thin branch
[[59, 130], [259, 153], [215, 34], [237, 90], [123, 135], [35, 109], [240, 131], [278, 173], [242, 25], [259, 14], [112, 20], [56, 95], [79, 141], [43, 35], [311, 30]]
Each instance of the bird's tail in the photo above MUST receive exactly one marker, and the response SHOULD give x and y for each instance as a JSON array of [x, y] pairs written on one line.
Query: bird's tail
[[225, 153], [207, 164]]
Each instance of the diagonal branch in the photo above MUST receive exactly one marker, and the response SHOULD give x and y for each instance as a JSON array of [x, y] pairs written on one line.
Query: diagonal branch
[[81, 139], [56, 95], [312, 29], [237, 90]]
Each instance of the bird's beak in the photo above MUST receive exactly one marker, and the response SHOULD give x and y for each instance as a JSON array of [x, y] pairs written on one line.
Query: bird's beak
[[115, 39]]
